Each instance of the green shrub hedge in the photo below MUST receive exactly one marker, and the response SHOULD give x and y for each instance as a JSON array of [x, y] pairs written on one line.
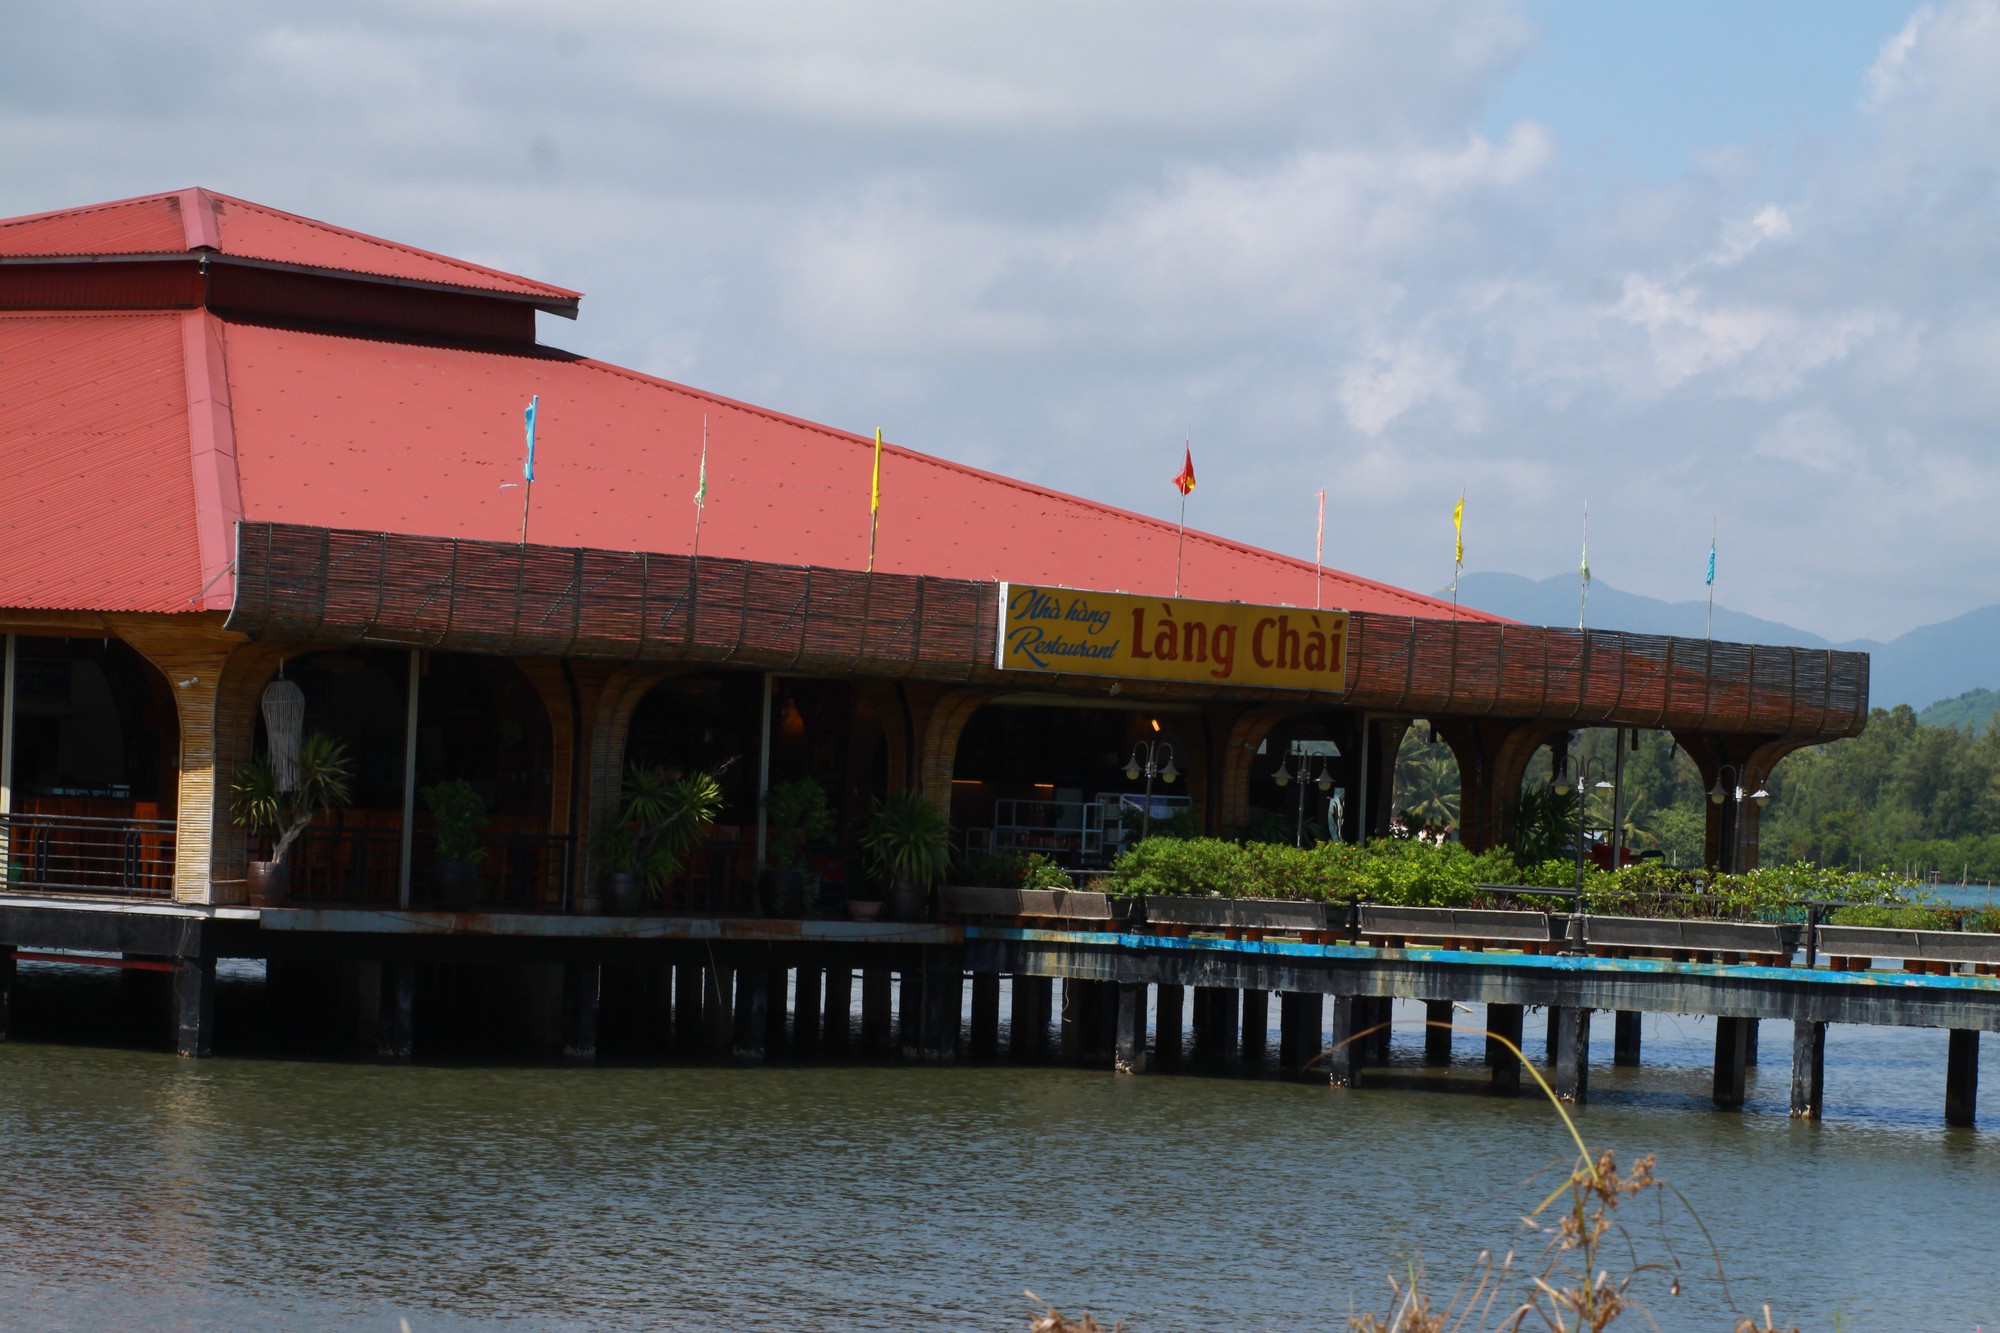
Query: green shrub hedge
[[1401, 873]]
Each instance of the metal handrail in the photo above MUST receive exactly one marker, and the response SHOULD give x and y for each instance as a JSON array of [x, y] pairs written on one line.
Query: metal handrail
[[96, 855]]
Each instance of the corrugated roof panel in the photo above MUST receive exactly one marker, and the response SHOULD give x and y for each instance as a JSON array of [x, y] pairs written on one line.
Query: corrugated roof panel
[[146, 226], [346, 433], [155, 224], [256, 232], [99, 505]]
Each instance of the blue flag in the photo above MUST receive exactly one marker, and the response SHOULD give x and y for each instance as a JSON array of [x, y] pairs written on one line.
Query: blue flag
[[1711, 564], [528, 467]]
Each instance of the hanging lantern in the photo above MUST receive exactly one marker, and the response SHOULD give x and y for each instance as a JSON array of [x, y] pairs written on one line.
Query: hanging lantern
[[284, 724]]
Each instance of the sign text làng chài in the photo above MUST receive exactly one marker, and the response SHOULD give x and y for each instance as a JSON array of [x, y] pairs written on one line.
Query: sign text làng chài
[[1152, 638]]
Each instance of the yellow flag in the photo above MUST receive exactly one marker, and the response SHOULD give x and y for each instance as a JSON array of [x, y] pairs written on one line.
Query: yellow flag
[[1458, 530], [875, 486]]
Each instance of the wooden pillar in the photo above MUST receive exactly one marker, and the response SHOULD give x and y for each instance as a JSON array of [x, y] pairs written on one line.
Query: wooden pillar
[[395, 1030], [944, 1003], [582, 994], [838, 1009], [1504, 1021], [985, 1044], [1437, 1032], [718, 1009], [687, 1006], [1028, 1022], [194, 1006], [1308, 1038], [805, 1009], [9, 970], [750, 1021], [1730, 1041], [1808, 1068], [1130, 1055], [1169, 1025], [1256, 1024], [1549, 1043], [1625, 1038], [1104, 1049], [1072, 1030], [1382, 1015], [1343, 1058], [1572, 1054], [776, 984], [909, 1010], [1289, 1036], [1750, 1028], [1961, 1077], [878, 997], [1229, 1022]]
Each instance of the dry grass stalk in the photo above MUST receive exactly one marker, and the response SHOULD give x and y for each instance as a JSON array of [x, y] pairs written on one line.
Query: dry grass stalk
[[1052, 1320]]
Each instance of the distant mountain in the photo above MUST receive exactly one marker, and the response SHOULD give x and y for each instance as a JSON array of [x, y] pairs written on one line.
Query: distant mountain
[[1927, 665], [1973, 711]]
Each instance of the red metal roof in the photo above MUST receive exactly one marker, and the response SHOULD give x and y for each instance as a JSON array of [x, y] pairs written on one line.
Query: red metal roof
[[130, 443], [348, 433], [97, 496], [191, 220]]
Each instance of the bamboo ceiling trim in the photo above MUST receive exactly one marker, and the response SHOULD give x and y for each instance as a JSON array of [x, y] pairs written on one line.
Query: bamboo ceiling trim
[[328, 586]]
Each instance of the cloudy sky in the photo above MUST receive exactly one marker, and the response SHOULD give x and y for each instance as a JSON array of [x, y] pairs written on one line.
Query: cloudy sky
[[1681, 260]]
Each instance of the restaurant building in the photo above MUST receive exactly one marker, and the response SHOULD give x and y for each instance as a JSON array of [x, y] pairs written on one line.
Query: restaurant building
[[237, 444]]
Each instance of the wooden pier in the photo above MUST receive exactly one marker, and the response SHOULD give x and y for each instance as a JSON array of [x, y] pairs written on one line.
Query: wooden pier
[[410, 983]]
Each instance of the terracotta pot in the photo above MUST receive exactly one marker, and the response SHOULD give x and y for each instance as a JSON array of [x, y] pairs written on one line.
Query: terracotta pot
[[861, 909], [621, 893], [270, 883]]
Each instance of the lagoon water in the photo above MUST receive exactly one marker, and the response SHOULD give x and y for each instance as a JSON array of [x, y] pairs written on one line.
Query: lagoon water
[[138, 1190]]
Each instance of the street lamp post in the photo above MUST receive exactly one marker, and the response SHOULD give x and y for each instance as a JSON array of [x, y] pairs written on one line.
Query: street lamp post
[[1154, 758], [1732, 792], [1324, 781], [1583, 789]]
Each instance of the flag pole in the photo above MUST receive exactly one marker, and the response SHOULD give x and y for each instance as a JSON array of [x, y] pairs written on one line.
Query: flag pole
[[1583, 595], [1457, 549], [1184, 482], [1179, 543], [1319, 547], [701, 487], [1710, 631], [875, 500], [528, 466]]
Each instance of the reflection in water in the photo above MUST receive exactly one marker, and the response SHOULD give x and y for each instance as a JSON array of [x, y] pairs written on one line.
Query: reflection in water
[[143, 1190]]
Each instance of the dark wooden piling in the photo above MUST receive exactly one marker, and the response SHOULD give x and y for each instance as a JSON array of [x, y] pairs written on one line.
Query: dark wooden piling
[[806, 1009], [1208, 1022], [8, 971], [984, 1042], [1381, 1017], [1751, 1027], [878, 999], [395, 1023], [1343, 1057], [1129, 1055], [776, 992], [687, 1006], [194, 1006], [751, 989], [1731, 1041], [1256, 1025], [910, 1011], [1104, 1039], [837, 1010], [1554, 1013], [582, 985], [944, 1004], [1028, 1021], [1437, 1032], [1309, 1035], [1169, 1011], [1808, 1068], [718, 1009], [1961, 1077], [1625, 1038], [1572, 1053], [1504, 1021]]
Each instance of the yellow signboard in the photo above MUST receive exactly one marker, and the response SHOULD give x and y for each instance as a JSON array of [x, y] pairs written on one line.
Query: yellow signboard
[[1152, 638]]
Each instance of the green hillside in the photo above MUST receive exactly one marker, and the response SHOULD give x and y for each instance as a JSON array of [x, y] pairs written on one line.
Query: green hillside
[[1972, 711]]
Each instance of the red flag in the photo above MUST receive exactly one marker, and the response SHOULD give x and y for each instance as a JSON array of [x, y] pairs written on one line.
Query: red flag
[[1185, 479]]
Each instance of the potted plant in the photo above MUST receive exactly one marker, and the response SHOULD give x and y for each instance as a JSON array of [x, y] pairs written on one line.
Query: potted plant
[[907, 842], [795, 814], [259, 804], [458, 814], [663, 815]]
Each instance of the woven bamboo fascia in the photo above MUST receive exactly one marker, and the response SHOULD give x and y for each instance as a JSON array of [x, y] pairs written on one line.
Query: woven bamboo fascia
[[313, 585]]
